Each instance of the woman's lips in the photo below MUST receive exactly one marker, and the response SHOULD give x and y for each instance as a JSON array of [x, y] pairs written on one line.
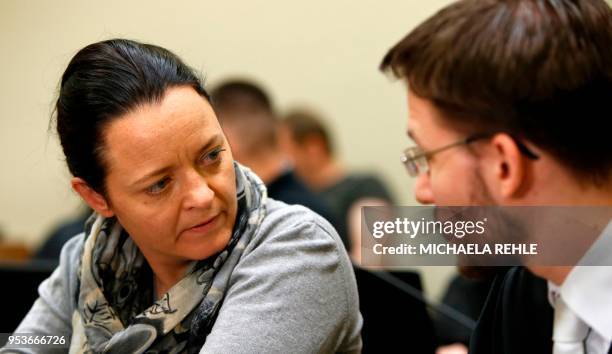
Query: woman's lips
[[203, 227]]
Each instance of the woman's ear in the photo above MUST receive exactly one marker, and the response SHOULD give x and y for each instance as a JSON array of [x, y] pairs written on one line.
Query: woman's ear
[[510, 169], [95, 200]]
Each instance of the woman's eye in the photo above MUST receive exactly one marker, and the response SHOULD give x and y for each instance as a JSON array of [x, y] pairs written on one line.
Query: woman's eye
[[159, 186], [212, 157]]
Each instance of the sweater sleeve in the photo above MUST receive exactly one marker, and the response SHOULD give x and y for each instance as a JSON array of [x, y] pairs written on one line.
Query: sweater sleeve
[[293, 291], [51, 313]]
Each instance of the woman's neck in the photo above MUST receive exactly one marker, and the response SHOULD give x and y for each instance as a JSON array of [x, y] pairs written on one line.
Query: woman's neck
[[165, 276]]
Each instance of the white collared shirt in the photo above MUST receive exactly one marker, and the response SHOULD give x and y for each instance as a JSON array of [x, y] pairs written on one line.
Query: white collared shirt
[[587, 291]]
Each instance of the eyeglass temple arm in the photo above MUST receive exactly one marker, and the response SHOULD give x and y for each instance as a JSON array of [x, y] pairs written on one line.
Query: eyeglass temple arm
[[521, 146]]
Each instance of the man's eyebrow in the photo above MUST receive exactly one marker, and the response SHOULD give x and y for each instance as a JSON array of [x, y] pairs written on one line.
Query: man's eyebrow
[[217, 138]]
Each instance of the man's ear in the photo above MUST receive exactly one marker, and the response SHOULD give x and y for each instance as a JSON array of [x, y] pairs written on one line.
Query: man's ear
[[510, 168], [95, 200]]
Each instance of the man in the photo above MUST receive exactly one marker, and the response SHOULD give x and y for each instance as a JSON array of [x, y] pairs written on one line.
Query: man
[[509, 105], [250, 123], [308, 143]]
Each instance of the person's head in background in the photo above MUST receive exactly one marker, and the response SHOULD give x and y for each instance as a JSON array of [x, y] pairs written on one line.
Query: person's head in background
[[509, 103], [144, 146], [519, 92], [308, 144], [248, 118], [307, 141]]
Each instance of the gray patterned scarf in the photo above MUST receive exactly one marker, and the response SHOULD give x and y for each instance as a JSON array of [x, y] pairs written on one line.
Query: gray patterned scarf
[[116, 312]]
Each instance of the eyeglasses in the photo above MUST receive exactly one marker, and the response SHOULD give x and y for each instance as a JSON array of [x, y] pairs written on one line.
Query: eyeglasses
[[416, 159]]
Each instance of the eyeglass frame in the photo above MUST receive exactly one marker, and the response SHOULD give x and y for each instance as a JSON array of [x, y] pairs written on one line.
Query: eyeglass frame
[[414, 154]]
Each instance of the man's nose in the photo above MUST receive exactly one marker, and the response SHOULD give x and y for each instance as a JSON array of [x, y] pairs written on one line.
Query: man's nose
[[422, 189]]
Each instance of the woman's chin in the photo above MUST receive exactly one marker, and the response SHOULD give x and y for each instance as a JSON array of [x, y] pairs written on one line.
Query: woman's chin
[[199, 248]]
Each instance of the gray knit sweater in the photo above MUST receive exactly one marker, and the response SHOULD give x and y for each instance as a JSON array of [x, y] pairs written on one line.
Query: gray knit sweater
[[293, 291]]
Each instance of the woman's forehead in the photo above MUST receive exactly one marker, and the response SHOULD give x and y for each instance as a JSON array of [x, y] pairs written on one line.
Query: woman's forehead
[[182, 121]]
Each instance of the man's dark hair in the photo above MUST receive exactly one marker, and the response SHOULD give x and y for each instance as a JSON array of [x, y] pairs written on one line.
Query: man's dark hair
[[540, 70], [303, 124], [239, 94], [103, 81], [245, 104]]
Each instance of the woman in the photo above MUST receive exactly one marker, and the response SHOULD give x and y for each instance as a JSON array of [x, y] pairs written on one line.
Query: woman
[[184, 253]]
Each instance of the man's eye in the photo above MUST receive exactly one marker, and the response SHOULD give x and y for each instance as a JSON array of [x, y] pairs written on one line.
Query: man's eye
[[159, 186], [212, 157]]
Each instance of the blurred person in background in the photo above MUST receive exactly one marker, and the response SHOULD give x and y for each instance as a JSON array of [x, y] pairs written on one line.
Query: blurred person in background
[[248, 119], [509, 105], [310, 147]]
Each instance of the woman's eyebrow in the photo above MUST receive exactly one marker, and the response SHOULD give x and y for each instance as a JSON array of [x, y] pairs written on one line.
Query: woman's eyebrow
[[214, 139], [152, 174]]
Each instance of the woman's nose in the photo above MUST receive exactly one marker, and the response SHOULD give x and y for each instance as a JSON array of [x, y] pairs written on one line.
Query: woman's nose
[[422, 190], [199, 194]]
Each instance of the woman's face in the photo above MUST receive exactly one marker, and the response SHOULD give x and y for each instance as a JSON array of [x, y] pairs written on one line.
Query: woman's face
[[170, 178]]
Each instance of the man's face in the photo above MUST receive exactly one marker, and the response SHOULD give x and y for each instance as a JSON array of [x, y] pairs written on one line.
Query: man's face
[[296, 153], [454, 177], [233, 133], [248, 133]]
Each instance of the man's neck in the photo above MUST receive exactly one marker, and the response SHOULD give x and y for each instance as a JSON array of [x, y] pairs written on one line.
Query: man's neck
[[579, 196], [328, 174], [268, 166]]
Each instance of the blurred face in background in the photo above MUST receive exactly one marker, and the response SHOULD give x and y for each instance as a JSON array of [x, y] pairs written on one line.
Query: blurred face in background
[[306, 156], [171, 180], [233, 132], [294, 152], [251, 135]]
